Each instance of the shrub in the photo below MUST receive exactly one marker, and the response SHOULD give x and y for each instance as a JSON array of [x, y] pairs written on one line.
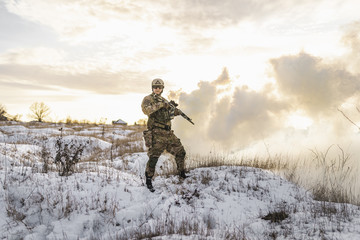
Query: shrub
[[67, 155], [45, 154], [276, 216], [3, 113]]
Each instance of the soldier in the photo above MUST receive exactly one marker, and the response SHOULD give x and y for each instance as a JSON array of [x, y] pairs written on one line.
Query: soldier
[[159, 136]]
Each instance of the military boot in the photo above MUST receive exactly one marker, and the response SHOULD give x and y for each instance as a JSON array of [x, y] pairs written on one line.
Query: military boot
[[182, 174], [149, 183]]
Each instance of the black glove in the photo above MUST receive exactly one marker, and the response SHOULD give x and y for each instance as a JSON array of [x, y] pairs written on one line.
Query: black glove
[[174, 103]]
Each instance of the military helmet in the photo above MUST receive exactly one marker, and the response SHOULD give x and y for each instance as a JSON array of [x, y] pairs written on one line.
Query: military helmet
[[157, 82]]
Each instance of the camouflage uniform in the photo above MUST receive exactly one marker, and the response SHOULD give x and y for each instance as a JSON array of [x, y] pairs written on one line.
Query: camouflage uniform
[[159, 136]]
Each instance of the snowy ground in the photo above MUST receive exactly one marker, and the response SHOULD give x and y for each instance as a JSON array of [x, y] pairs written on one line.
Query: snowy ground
[[106, 198]]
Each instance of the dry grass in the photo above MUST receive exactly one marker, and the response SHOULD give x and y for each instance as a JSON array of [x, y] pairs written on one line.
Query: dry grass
[[335, 183], [328, 178], [215, 160]]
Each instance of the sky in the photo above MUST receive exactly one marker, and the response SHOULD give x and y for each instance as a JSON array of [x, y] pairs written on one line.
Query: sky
[[244, 70]]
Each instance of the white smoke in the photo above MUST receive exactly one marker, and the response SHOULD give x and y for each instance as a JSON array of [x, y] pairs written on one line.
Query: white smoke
[[233, 118], [231, 121]]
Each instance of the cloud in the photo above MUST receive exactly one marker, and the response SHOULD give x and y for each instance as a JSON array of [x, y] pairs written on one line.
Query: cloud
[[30, 68], [18, 85], [38, 56], [313, 85], [76, 18], [73, 19], [204, 14], [96, 80], [351, 39]]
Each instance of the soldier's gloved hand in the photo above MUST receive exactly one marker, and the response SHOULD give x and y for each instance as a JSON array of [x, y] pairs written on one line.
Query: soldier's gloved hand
[[166, 105], [172, 102]]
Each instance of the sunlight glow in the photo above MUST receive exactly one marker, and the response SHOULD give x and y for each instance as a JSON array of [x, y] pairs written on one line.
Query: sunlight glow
[[122, 43], [298, 121]]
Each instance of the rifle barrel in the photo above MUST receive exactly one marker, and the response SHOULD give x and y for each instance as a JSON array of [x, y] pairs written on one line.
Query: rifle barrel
[[181, 112]]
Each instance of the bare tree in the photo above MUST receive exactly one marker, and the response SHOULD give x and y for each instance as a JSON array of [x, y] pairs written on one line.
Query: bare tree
[[3, 113], [39, 111], [16, 117]]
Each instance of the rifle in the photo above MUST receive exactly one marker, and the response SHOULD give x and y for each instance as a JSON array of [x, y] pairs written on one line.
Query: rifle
[[173, 106]]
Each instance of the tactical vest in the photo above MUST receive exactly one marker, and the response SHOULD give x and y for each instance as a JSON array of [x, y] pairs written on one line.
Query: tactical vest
[[160, 118]]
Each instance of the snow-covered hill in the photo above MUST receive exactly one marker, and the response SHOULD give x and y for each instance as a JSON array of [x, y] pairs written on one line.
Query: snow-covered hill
[[106, 198]]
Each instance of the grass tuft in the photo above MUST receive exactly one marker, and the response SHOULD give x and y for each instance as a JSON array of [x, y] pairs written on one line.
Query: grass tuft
[[276, 216]]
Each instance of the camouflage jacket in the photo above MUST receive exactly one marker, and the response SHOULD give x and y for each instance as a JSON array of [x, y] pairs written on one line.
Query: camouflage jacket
[[154, 108]]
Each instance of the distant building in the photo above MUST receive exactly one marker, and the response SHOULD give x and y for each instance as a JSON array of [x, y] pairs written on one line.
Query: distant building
[[119, 122]]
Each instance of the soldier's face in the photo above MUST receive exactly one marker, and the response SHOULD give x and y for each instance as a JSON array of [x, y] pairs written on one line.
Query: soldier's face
[[157, 90]]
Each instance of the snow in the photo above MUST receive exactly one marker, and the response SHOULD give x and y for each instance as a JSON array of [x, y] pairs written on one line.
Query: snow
[[107, 199]]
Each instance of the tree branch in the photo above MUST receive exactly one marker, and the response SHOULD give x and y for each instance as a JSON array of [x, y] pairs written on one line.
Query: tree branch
[[349, 118]]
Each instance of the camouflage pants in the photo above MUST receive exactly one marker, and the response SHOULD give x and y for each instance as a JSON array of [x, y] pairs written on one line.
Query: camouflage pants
[[157, 142]]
